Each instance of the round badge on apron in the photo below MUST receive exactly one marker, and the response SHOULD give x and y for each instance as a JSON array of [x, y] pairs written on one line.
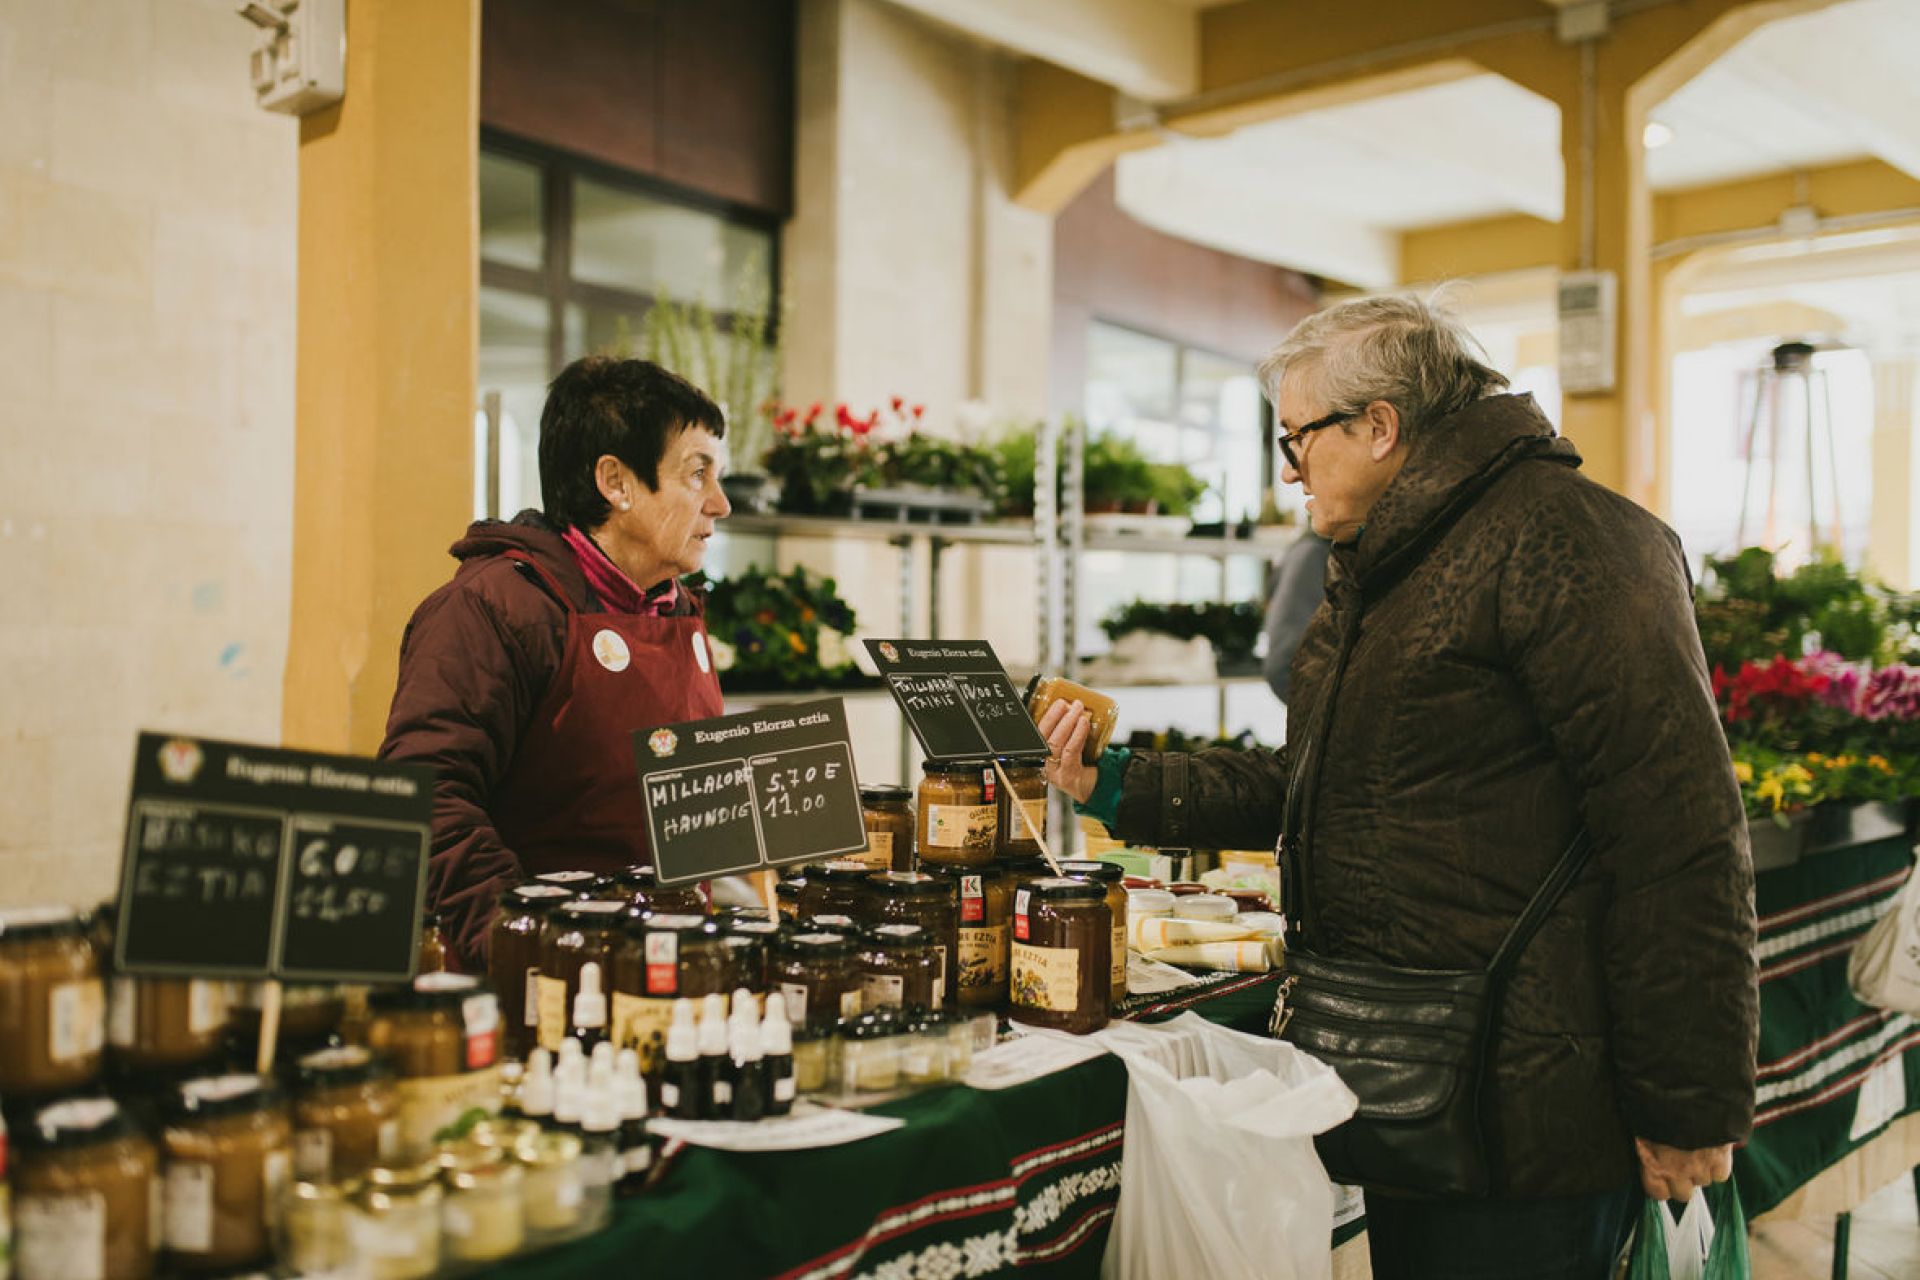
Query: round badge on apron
[[611, 650], [700, 652]]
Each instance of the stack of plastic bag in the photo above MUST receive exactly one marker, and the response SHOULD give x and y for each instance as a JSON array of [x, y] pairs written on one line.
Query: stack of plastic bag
[[1219, 1177]]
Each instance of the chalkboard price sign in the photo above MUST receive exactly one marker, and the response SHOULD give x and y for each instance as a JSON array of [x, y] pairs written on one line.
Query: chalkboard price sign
[[256, 862], [956, 697], [756, 789]]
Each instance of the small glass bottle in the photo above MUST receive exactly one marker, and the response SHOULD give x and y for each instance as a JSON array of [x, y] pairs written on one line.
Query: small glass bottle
[[681, 1095]]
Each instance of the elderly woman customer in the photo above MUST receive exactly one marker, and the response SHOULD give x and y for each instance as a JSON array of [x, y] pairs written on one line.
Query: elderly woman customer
[[1519, 658], [561, 632]]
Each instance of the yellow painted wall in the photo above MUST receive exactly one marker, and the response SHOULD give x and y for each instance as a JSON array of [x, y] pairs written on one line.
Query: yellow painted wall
[[385, 384]]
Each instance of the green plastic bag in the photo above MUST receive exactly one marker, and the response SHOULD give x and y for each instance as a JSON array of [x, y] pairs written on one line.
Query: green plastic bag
[[1707, 1242]]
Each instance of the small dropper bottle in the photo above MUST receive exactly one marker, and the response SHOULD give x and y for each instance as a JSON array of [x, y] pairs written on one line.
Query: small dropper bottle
[[776, 1048], [716, 1079], [680, 1079]]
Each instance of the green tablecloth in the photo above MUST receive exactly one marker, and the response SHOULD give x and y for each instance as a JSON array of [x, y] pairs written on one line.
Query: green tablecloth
[[1832, 1071], [976, 1184]]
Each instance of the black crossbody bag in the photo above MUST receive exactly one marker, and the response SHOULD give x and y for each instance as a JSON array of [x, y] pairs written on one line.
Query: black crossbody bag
[[1414, 1045]]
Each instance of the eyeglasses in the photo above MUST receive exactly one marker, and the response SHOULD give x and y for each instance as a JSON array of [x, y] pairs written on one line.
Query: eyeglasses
[[1287, 441]]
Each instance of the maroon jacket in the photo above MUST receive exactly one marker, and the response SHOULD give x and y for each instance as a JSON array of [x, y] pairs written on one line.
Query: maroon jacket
[[474, 666]]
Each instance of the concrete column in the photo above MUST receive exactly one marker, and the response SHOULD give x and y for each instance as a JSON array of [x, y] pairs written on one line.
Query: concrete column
[[385, 385]]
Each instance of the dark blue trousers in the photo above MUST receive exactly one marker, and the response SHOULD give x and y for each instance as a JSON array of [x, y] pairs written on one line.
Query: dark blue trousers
[[1567, 1238]]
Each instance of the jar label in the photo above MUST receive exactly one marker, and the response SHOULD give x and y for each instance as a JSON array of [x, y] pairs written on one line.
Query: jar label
[[387, 1141], [1046, 978], [189, 1206], [959, 826], [973, 900], [641, 1024], [77, 1019], [206, 1006], [990, 784], [882, 990], [722, 1093], [663, 964], [878, 854], [783, 1089], [983, 958], [850, 1003], [1036, 812], [796, 997], [429, 1104], [122, 1004], [276, 1172], [313, 1154], [481, 1014], [531, 1004], [62, 1237], [1119, 953], [940, 974], [669, 1095], [552, 1003], [1020, 900]]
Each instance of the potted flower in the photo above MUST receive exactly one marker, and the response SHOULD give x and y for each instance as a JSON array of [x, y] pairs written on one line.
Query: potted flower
[[774, 631]]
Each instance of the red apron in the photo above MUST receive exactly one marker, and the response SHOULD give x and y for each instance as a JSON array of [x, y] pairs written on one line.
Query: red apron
[[571, 801]]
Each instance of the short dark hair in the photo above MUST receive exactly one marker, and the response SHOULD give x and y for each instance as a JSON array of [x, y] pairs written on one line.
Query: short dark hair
[[604, 404]]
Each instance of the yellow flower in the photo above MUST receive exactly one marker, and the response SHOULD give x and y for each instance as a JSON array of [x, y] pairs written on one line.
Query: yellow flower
[[1743, 771], [1774, 792], [798, 645], [1796, 773], [1881, 763]]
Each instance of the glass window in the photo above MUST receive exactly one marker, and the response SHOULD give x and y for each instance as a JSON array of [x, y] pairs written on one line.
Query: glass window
[[628, 240], [510, 212], [513, 364]]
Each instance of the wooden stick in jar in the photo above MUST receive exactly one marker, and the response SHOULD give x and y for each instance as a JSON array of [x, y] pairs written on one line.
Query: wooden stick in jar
[[269, 1027], [767, 879], [1013, 803]]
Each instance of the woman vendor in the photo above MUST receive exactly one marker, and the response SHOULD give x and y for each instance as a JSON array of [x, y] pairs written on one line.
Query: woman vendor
[[562, 631]]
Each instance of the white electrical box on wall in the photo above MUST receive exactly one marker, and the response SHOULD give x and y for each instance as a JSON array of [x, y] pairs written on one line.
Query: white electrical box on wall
[[299, 59], [1588, 306]]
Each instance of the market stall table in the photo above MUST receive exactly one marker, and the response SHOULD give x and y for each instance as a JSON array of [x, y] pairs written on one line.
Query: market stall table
[[975, 1184]]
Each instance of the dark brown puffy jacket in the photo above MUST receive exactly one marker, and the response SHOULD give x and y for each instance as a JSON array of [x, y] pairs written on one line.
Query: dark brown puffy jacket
[[1526, 658], [474, 667]]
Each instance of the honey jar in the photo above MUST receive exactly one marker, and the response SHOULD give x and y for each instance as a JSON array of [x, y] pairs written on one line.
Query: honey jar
[[641, 887], [84, 1182], [986, 918], [52, 1004], [1109, 877], [836, 888], [1061, 967], [898, 969], [513, 960], [345, 1114], [958, 806], [930, 901], [889, 817], [228, 1160], [1021, 809], [1047, 690]]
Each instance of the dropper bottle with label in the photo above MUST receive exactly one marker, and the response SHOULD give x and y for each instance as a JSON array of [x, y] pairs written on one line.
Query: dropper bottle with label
[[569, 1085], [590, 1008], [536, 1088], [680, 1079], [636, 1145], [748, 1067], [776, 1050], [716, 1076], [600, 1129]]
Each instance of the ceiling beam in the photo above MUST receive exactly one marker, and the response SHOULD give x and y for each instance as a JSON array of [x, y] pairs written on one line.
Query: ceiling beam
[[1146, 49]]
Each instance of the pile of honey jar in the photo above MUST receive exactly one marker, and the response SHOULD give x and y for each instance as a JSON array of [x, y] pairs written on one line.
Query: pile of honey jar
[[140, 1140]]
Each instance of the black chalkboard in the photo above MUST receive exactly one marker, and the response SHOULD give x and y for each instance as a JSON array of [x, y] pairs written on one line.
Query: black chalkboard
[[257, 862], [755, 789], [956, 697]]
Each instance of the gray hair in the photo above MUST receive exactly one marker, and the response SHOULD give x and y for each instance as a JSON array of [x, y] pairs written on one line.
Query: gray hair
[[1394, 348]]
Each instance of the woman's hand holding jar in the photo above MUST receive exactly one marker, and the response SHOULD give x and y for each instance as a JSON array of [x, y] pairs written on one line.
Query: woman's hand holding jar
[[1065, 726]]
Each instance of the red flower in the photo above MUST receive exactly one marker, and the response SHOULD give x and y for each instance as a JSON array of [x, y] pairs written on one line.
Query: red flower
[[918, 410], [897, 403], [813, 413]]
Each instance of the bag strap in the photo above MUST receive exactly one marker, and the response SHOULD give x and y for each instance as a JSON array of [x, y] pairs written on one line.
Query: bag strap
[[1564, 872]]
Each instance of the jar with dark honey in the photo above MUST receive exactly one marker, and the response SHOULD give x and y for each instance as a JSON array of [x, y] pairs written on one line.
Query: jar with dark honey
[[898, 969], [930, 901], [786, 896], [834, 888], [513, 960], [818, 976], [986, 921], [956, 823], [1061, 967], [156, 1024], [641, 887], [888, 812], [574, 934], [345, 1114], [52, 1004], [442, 1035], [228, 1149], [85, 1182], [749, 943], [581, 884], [1109, 877], [660, 959], [1021, 809]]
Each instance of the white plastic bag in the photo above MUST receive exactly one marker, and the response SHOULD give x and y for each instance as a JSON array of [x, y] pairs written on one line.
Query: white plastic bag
[[1884, 970], [1219, 1177]]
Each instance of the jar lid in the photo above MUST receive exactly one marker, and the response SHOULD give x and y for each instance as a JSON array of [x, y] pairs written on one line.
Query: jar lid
[[910, 884], [825, 945], [832, 922], [1063, 889], [1025, 760], [536, 899], [579, 882], [673, 922], [1093, 869], [230, 1095], [74, 1122], [395, 1177], [600, 911], [343, 1065], [885, 793], [970, 764], [790, 887], [549, 1147], [840, 870], [1027, 866], [23, 923], [501, 1174], [875, 1024], [900, 934], [638, 876], [428, 991], [754, 927]]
